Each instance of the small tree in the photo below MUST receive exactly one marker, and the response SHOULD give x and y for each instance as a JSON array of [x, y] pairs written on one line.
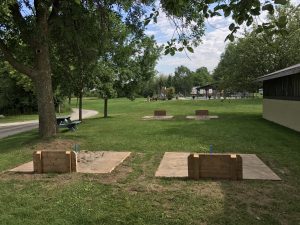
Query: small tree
[[104, 83], [170, 92]]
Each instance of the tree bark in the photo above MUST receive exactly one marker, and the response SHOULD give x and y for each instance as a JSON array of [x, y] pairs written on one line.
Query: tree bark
[[80, 105], [44, 93], [105, 107], [42, 78]]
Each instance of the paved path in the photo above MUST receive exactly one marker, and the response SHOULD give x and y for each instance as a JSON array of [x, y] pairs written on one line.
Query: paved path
[[7, 129]]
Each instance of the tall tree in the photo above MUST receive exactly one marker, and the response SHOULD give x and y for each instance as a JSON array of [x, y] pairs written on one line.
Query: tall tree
[[77, 45], [260, 52], [182, 80], [201, 77], [28, 25]]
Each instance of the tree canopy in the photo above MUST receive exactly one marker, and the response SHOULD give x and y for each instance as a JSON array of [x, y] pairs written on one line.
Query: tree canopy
[[259, 53]]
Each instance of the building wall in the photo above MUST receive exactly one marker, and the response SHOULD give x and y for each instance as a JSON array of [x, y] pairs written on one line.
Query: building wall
[[283, 112]]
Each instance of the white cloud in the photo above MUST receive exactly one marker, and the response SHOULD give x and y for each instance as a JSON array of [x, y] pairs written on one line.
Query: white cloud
[[206, 54]]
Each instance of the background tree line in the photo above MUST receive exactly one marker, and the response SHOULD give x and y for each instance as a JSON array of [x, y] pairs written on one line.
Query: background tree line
[[182, 81], [260, 52]]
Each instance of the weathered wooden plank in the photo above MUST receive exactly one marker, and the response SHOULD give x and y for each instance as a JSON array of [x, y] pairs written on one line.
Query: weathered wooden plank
[[37, 162], [201, 112], [54, 161], [220, 166], [160, 112]]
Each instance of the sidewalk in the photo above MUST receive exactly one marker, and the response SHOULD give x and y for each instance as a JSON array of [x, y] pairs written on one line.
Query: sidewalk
[[74, 116], [8, 129]]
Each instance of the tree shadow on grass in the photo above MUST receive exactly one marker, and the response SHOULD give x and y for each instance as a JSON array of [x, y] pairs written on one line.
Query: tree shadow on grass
[[239, 202], [18, 141], [229, 123], [256, 202]]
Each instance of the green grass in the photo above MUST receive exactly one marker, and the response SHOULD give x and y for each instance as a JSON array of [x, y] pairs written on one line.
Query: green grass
[[132, 195], [18, 118]]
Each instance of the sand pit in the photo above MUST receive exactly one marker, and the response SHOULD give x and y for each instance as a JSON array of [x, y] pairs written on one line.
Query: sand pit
[[88, 162], [158, 117], [201, 117], [201, 114], [174, 164]]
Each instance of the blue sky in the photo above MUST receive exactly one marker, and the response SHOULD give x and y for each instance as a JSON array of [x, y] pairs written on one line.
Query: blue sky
[[207, 54]]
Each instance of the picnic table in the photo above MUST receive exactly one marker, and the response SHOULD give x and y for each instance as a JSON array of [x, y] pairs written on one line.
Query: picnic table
[[66, 122]]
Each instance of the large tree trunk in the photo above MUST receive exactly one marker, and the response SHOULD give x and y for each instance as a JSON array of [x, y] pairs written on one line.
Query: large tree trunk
[[42, 78], [44, 93], [80, 105]]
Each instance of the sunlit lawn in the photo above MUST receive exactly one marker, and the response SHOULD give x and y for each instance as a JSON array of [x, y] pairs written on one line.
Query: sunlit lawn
[[132, 195]]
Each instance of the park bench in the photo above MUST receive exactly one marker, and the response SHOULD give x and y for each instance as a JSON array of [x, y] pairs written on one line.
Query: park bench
[[66, 122]]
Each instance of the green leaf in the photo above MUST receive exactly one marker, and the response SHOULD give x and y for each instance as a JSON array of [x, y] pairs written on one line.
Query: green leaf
[[205, 8], [227, 12], [230, 37], [240, 20], [249, 21], [269, 7], [218, 7], [215, 14], [255, 11], [231, 27], [281, 2], [259, 29], [282, 21], [77, 2], [185, 42], [210, 1], [190, 49], [146, 22]]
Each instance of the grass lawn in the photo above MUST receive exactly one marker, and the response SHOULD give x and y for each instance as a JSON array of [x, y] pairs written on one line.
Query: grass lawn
[[132, 195], [18, 118], [66, 110]]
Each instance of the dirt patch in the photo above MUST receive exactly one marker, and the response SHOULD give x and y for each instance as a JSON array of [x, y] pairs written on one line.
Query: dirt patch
[[56, 144]]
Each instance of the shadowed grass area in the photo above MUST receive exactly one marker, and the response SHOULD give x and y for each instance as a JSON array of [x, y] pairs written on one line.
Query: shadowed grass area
[[18, 118], [132, 195]]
